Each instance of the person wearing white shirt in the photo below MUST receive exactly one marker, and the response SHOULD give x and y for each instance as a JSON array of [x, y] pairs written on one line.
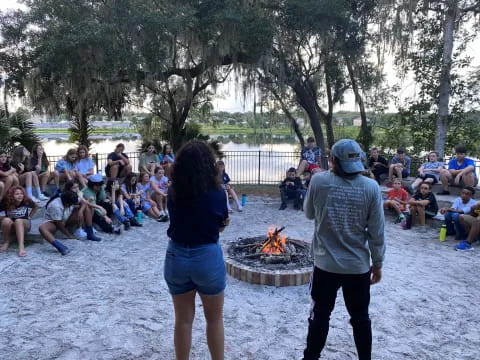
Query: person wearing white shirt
[[461, 205]]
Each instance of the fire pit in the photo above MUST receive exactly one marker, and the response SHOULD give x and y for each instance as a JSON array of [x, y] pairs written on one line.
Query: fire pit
[[274, 260]]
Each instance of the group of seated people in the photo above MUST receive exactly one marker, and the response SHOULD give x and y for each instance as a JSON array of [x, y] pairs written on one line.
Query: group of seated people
[[459, 172], [84, 199]]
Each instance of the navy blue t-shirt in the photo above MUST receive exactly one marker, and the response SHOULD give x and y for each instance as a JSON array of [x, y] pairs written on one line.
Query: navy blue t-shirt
[[225, 178], [198, 222]]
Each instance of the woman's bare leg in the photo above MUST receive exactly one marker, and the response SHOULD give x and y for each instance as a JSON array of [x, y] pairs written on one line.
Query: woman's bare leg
[[7, 225], [21, 227], [421, 215], [47, 230], [184, 305], [213, 310]]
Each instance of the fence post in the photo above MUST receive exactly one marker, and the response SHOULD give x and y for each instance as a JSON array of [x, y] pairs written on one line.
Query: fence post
[[96, 162], [259, 156]]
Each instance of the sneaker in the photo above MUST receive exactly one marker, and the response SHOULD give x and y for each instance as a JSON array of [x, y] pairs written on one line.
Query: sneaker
[[160, 218], [398, 220], [126, 225], [444, 192], [117, 230], [283, 206], [42, 197], [166, 218], [464, 246], [134, 222], [35, 200], [79, 233], [230, 210], [240, 208]]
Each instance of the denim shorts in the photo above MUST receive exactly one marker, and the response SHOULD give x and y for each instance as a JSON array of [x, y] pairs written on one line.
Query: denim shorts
[[200, 268]]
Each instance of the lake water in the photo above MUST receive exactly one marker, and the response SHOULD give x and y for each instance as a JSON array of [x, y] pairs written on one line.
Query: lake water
[[247, 162], [54, 147]]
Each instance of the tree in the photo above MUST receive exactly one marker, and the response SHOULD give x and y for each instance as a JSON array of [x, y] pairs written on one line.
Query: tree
[[201, 43], [435, 25], [15, 129]]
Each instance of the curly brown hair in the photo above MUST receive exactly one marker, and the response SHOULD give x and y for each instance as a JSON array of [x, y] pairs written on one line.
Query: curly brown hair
[[194, 171], [9, 201]]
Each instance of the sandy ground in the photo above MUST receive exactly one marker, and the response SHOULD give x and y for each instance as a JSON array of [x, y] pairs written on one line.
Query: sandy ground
[[108, 300]]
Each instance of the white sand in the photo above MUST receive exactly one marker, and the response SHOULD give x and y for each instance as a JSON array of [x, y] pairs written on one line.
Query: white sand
[[108, 300]]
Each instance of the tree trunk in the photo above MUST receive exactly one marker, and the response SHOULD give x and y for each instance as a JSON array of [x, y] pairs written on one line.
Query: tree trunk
[[5, 99], [365, 135], [445, 84], [309, 104], [83, 128], [329, 118]]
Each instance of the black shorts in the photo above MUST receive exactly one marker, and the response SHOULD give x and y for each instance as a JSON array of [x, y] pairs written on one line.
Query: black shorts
[[107, 170], [428, 176]]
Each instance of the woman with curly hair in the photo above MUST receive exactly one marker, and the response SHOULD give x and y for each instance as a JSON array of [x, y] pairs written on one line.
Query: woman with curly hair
[[194, 259], [19, 210], [8, 174]]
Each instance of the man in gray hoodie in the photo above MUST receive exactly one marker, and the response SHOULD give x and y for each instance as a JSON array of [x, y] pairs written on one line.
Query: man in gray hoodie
[[349, 230]]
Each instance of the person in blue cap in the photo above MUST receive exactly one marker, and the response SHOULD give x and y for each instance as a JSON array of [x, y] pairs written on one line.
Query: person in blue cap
[[349, 232]]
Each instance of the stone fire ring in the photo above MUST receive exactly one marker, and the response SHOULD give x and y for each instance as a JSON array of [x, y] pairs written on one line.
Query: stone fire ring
[[267, 277]]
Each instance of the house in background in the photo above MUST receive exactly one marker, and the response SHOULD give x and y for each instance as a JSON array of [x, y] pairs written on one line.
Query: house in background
[[357, 122]]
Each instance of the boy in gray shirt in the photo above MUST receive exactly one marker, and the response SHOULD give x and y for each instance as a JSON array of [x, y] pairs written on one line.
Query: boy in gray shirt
[[349, 230]]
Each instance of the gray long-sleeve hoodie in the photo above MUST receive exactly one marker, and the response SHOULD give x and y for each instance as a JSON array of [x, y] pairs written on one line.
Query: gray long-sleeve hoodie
[[349, 223]]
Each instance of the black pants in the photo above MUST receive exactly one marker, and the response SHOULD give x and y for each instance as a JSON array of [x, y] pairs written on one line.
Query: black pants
[[356, 293], [378, 171], [286, 194], [100, 221]]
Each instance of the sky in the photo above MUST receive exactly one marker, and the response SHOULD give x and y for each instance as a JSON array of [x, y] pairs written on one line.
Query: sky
[[230, 96]]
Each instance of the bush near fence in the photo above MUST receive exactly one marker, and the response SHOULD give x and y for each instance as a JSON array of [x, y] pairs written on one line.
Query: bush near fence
[[246, 167]]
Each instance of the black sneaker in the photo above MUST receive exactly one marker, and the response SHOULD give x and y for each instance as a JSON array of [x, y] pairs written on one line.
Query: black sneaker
[[126, 225], [166, 218], [117, 230], [160, 218], [283, 206], [444, 192], [134, 222]]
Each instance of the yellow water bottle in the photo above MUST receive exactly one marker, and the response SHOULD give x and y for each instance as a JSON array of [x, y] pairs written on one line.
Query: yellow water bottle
[[443, 233]]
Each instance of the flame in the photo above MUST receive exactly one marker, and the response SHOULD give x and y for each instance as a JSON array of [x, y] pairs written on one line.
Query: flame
[[274, 244]]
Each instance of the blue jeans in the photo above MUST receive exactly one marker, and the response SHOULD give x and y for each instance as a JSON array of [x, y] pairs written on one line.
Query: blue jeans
[[128, 212], [452, 221], [200, 268]]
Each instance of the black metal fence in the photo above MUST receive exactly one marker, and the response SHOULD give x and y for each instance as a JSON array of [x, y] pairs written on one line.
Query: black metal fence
[[246, 167]]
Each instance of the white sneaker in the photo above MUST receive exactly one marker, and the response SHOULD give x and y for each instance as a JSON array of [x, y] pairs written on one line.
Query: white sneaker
[[35, 200], [42, 197], [240, 208], [80, 233]]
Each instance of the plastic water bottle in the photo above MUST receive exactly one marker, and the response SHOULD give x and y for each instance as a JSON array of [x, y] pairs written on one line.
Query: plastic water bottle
[[139, 216], [244, 199], [443, 233]]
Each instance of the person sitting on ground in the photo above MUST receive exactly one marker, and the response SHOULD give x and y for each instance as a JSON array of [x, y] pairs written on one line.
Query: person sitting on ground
[[18, 210], [397, 199], [471, 224], [130, 192], [460, 172], [428, 172], [423, 205], [40, 163], [302, 191], [66, 168], [58, 215], [167, 158], [147, 205], [159, 185], [95, 194], [225, 181], [461, 205], [149, 160], [288, 189], [8, 175], [85, 213], [118, 165], [377, 164], [85, 166], [310, 157], [400, 166], [27, 178], [121, 210]]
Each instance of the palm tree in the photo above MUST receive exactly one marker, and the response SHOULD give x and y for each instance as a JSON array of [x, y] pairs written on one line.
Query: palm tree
[[16, 129]]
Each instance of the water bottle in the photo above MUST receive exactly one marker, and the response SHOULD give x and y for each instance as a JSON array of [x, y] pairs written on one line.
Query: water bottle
[[244, 199], [139, 216], [443, 233]]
